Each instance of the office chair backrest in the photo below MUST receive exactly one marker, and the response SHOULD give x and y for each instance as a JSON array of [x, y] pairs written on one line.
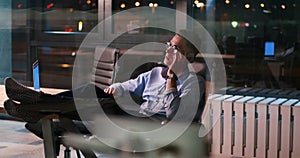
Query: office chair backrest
[[144, 68], [200, 69], [104, 71]]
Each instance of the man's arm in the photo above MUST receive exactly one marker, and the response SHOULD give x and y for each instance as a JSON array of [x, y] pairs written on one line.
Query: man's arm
[[185, 104], [133, 85]]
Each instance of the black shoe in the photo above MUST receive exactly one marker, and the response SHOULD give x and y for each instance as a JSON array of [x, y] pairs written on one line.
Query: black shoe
[[20, 93], [20, 111], [58, 128], [36, 128]]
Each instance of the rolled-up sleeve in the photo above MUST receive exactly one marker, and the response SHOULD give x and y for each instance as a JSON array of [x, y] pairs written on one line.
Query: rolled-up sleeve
[[136, 85]]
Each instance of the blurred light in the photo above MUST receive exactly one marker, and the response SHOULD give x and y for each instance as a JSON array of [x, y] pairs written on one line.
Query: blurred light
[[294, 5], [153, 5], [171, 2], [71, 10], [73, 54], [196, 2], [247, 6], [88, 1], [49, 5], [227, 1], [137, 4], [255, 26], [68, 29], [262, 5], [65, 65], [234, 24], [283, 6], [122, 5], [201, 4], [19, 5], [266, 11], [80, 25], [244, 24]]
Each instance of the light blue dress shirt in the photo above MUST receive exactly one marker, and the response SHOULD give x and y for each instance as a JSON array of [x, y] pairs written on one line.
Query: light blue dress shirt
[[157, 101]]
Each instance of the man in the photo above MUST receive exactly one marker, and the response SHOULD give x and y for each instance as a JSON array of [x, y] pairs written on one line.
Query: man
[[164, 90]]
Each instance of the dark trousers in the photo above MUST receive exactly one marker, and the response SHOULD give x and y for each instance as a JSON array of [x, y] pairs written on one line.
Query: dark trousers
[[84, 91], [65, 101]]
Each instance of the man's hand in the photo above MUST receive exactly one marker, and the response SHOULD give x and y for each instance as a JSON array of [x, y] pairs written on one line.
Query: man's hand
[[111, 90], [178, 64]]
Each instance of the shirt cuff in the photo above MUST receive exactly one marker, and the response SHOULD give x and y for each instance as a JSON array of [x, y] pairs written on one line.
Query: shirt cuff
[[117, 86]]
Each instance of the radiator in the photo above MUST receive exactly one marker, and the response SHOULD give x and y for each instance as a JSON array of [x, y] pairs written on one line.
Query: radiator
[[252, 126]]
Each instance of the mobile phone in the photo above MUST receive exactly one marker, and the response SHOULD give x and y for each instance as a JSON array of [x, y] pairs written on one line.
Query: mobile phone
[[36, 75]]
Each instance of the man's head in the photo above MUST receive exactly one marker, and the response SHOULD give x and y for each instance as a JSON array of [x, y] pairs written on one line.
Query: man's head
[[181, 42]]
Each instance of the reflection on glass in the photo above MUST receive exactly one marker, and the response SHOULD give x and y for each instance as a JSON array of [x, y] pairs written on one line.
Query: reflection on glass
[[56, 64], [259, 34], [134, 23], [69, 16]]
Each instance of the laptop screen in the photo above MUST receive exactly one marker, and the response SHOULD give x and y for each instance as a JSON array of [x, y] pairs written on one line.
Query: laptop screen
[[269, 48], [36, 76]]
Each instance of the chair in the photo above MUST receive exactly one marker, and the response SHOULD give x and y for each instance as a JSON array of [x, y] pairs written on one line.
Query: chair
[[104, 71], [104, 67], [103, 76], [290, 69]]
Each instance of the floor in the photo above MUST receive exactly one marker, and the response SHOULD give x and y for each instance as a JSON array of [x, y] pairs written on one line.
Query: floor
[[16, 141]]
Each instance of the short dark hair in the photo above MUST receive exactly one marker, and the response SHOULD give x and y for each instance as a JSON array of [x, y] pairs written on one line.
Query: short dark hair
[[190, 38]]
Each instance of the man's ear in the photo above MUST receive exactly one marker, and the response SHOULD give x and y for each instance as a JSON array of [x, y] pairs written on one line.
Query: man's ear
[[190, 56]]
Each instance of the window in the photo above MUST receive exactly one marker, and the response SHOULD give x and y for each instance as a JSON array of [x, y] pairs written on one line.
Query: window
[[73, 18], [242, 28]]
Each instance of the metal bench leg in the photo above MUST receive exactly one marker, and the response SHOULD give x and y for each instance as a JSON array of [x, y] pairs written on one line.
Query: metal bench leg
[[49, 139], [67, 152]]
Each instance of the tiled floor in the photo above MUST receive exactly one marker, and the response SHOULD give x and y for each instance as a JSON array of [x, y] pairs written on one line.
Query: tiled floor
[[16, 141]]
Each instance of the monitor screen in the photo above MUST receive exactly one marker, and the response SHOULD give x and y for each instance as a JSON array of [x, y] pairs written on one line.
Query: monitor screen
[[36, 76], [269, 48]]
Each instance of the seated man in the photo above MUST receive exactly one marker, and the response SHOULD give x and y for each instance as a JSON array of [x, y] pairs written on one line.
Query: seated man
[[163, 89]]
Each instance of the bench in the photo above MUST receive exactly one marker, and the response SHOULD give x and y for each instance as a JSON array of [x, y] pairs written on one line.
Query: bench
[[252, 122]]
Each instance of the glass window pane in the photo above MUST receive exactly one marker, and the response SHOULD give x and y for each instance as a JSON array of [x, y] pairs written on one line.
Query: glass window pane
[[134, 23], [69, 16], [246, 29]]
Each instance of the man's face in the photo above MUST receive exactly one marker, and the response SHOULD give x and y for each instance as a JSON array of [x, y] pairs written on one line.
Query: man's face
[[178, 43]]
